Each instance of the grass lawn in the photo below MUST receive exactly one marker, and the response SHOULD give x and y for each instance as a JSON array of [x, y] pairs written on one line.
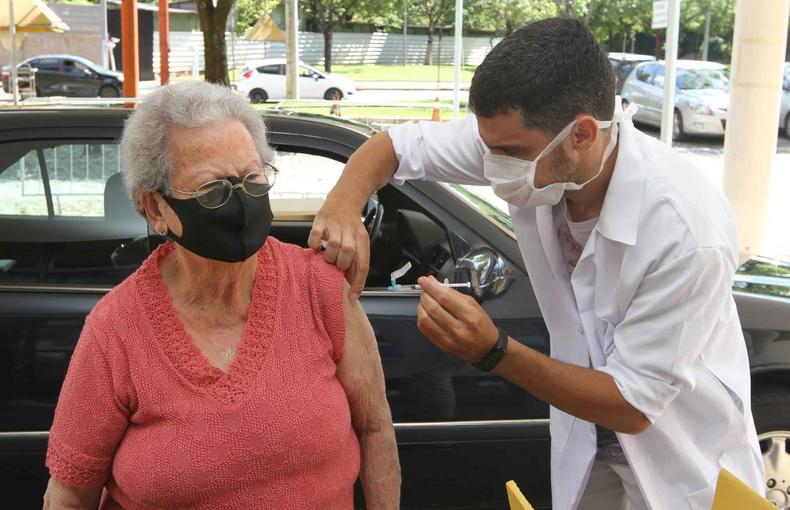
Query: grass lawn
[[401, 73]]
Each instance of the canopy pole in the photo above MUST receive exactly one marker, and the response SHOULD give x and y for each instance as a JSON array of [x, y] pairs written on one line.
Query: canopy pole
[[458, 42], [164, 42], [130, 61], [758, 54], [12, 66]]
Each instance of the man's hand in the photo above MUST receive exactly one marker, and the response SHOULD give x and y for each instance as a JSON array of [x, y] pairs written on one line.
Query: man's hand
[[339, 222], [456, 323], [347, 242]]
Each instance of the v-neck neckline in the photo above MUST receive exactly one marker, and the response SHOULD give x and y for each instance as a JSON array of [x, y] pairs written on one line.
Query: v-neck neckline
[[177, 344]]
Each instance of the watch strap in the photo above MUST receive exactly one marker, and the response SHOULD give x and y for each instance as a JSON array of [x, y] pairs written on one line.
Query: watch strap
[[496, 353]]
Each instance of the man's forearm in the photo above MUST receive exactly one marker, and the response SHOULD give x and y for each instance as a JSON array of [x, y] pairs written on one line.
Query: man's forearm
[[380, 469], [367, 171], [582, 392]]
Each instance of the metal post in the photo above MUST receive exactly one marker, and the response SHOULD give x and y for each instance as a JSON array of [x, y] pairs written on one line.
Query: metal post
[[458, 56], [405, 25], [129, 47], [292, 49], [758, 54], [164, 42], [706, 37], [670, 58], [195, 63], [104, 46], [12, 66]]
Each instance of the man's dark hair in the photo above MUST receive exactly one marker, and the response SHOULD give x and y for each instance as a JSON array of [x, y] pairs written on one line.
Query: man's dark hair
[[551, 70]]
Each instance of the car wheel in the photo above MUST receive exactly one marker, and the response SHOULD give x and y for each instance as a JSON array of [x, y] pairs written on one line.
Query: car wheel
[[677, 127], [330, 94], [771, 407], [109, 91], [258, 96]]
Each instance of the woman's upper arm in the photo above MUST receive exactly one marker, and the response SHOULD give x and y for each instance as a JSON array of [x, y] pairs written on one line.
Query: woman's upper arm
[[359, 370], [92, 414], [60, 496]]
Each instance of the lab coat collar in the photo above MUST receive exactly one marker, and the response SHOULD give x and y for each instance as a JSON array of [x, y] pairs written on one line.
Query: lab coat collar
[[619, 220]]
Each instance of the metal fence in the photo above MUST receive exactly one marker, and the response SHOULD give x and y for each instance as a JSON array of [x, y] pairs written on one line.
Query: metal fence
[[347, 48]]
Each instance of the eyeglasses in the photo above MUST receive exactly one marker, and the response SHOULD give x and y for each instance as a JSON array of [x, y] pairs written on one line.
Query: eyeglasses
[[215, 194]]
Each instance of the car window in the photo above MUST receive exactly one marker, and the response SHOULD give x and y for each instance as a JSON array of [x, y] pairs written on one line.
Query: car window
[[302, 184], [657, 76], [22, 186], [78, 174], [643, 73], [65, 217], [271, 69], [305, 72], [47, 64], [697, 79]]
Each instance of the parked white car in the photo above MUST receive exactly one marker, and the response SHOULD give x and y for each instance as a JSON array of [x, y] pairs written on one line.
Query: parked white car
[[702, 96], [264, 80], [784, 111]]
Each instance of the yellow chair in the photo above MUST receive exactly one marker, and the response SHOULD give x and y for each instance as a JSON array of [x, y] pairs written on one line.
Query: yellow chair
[[516, 498], [733, 494]]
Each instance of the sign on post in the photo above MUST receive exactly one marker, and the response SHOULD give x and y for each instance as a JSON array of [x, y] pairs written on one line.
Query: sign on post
[[660, 14]]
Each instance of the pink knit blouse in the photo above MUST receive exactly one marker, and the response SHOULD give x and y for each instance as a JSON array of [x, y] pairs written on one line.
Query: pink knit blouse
[[143, 413]]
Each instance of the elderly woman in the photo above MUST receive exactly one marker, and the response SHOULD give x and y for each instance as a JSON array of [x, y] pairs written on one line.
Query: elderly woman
[[231, 370]]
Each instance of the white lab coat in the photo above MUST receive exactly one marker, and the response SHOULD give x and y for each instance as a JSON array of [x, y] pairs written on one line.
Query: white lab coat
[[649, 303]]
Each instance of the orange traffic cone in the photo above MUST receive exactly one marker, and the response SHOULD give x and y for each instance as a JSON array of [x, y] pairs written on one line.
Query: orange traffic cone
[[437, 113]]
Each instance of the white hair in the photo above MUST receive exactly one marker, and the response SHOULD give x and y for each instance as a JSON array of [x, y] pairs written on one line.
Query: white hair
[[145, 165]]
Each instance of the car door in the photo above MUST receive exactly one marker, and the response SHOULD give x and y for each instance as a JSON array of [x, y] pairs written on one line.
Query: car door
[[272, 80], [310, 84], [47, 76], [67, 235], [654, 97], [461, 432], [637, 90]]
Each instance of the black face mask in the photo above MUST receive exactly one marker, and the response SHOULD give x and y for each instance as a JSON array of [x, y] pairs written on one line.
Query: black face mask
[[231, 233]]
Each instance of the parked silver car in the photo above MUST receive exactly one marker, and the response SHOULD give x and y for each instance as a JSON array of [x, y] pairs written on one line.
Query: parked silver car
[[784, 110], [701, 100]]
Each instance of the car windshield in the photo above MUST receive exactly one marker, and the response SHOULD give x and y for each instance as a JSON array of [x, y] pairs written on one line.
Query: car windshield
[[483, 199], [697, 79]]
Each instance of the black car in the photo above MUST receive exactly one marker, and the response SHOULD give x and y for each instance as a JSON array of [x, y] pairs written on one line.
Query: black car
[[623, 64], [68, 75], [68, 233]]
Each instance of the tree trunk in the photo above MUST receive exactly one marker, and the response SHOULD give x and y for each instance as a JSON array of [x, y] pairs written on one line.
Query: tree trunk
[[328, 32], [212, 23], [429, 47]]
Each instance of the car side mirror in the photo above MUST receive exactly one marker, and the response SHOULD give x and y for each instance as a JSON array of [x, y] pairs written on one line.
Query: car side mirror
[[488, 272]]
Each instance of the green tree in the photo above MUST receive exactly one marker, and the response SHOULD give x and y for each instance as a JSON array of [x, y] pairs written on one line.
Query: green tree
[[433, 13], [504, 16], [248, 12], [327, 14]]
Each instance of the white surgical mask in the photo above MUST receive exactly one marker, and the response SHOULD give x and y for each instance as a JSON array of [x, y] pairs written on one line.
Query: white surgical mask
[[513, 179]]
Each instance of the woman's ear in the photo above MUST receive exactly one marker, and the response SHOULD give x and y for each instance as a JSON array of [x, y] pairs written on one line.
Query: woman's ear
[[153, 206]]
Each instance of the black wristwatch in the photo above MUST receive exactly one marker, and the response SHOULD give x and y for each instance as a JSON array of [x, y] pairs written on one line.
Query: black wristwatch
[[496, 353]]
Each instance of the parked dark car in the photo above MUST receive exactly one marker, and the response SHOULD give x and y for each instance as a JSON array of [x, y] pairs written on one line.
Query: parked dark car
[[623, 64], [68, 233], [68, 75]]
